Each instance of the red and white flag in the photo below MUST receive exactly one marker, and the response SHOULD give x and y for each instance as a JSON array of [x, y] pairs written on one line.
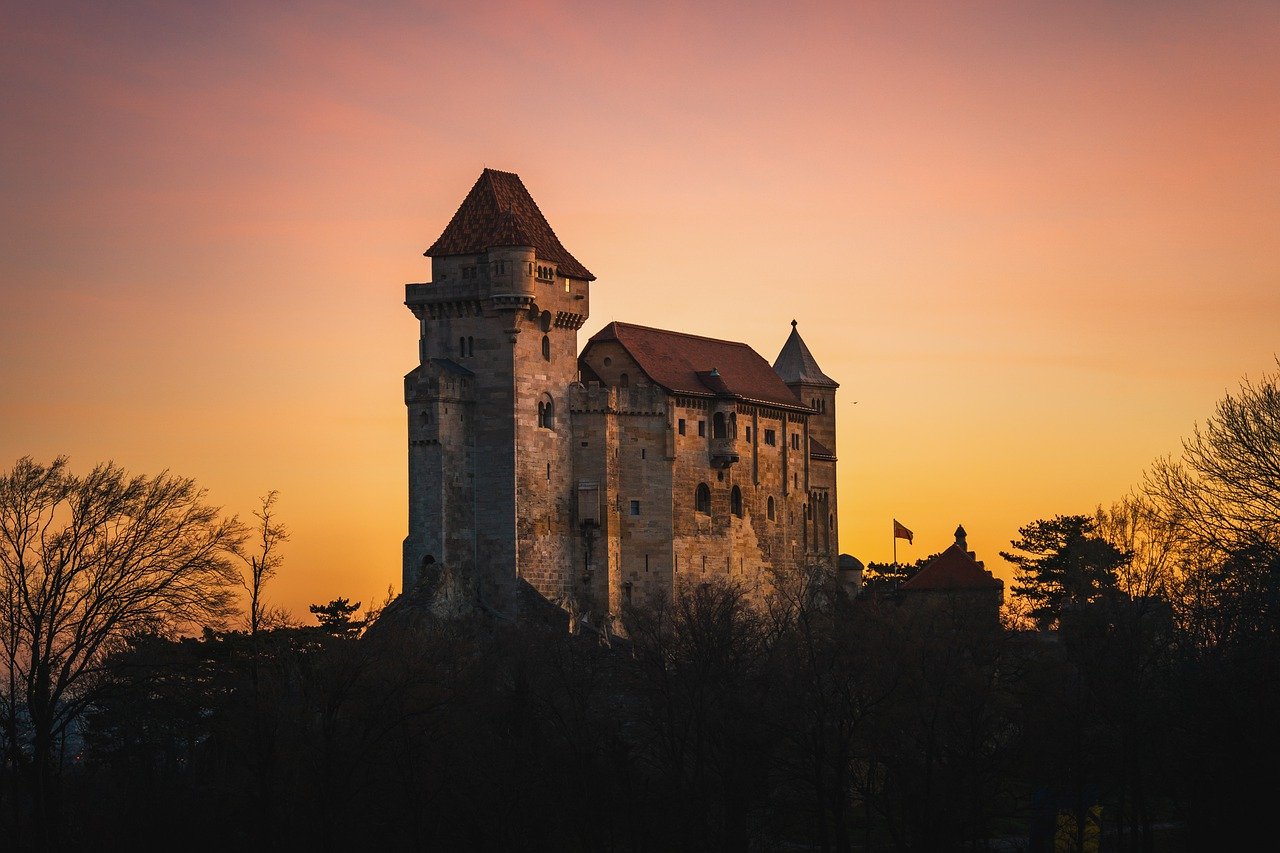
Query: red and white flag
[[901, 532]]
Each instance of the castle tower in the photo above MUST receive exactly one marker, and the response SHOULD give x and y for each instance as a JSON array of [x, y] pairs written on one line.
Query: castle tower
[[490, 468], [800, 371]]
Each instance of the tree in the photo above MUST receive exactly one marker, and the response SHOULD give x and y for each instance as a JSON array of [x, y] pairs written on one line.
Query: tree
[[1225, 489], [84, 562], [336, 618], [885, 578], [263, 565], [1063, 564]]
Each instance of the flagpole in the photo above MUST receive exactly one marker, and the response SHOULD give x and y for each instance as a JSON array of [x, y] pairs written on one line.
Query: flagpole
[[895, 542]]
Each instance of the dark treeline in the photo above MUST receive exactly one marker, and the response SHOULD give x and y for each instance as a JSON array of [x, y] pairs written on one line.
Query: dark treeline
[[1125, 700], [831, 724]]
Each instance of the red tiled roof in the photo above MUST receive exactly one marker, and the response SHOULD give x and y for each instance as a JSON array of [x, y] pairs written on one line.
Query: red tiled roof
[[955, 569], [682, 363], [500, 212]]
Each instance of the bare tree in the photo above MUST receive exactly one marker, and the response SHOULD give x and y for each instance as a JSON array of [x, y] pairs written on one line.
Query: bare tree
[[263, 565], [1225, 489], [85, 561]]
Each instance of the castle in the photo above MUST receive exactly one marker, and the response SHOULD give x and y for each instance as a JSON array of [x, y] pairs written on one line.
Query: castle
[[608, 477]]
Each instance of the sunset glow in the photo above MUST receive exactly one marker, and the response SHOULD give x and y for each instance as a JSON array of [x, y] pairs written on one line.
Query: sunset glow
[[1033, 242]]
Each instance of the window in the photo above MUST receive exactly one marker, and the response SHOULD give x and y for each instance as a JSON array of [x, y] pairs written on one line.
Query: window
[[471, 345], [546, 348], [462, 347], [702, 499], [680, 426], [770, 437], [735, 501], [546, 412], [635, 507], [702, 429], [626, 592], [642, 453], [748, 435], [769, 508], [718, 428], [607, 361], [548, 470], [624, 381], [795, 441]]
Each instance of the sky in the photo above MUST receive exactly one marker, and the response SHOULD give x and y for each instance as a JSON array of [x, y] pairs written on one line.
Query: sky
[[1034, 242]]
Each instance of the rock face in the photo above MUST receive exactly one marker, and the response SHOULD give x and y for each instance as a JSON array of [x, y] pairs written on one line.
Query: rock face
[[611, 477]]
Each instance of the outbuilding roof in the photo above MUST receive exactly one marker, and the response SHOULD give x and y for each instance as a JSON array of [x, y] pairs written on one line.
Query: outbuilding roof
[[500, 212], [954, 569]]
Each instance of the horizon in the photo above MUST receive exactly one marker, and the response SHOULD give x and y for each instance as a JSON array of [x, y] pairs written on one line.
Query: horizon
[[1034, 247]]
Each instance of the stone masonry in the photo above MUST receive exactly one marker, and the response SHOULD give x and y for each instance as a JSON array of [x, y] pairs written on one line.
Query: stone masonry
[[608, 478]]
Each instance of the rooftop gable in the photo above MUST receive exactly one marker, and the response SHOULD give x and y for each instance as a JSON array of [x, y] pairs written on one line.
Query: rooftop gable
[[691, 364], [500, 212], [954, 569]]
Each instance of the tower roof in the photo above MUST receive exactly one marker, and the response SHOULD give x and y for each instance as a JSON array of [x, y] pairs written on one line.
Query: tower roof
[[691, 364], [795, 364], [955, 569], [500, 212]]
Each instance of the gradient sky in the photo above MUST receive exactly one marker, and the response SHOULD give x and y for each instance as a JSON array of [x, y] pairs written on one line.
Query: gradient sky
[[1035, 242]]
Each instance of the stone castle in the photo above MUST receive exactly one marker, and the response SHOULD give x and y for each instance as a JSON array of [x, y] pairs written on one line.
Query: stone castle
[[608, 477]]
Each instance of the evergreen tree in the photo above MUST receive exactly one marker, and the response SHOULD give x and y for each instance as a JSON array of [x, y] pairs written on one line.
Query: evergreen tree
[[336, 618], [1063, 564]]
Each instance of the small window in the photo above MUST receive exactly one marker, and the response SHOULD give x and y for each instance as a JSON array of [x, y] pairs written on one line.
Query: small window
[[624, 381], [769, 509], [642, 453], [626, 592], [546, 348], [548, 470], [680, 426], [735, 501], [607, 361], [718, 428], [546, 412], [795, 441], [770, 437], [462, 347], [748, 435], [471, 345], [635, 507], [702, 499], [702, 429]]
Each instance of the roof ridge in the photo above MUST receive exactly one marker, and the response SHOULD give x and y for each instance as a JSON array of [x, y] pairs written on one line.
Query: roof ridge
[[682, 334]]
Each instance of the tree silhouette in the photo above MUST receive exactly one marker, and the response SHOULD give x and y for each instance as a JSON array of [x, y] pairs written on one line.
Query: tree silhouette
[[1063, 564], [85, 561], [336, 618]]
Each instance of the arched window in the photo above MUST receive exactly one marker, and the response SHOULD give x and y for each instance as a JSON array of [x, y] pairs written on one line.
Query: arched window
[[718, 429], [624, 381], [462, 347], [546, 347], [770, 508], [546, 412], [471, 345], [702, 499], [735, 501]]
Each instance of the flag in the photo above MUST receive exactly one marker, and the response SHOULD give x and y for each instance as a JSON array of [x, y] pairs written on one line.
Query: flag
[[900, 532]]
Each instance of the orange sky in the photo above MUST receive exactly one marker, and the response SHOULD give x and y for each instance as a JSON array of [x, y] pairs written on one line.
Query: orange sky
[[1034, 242]]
